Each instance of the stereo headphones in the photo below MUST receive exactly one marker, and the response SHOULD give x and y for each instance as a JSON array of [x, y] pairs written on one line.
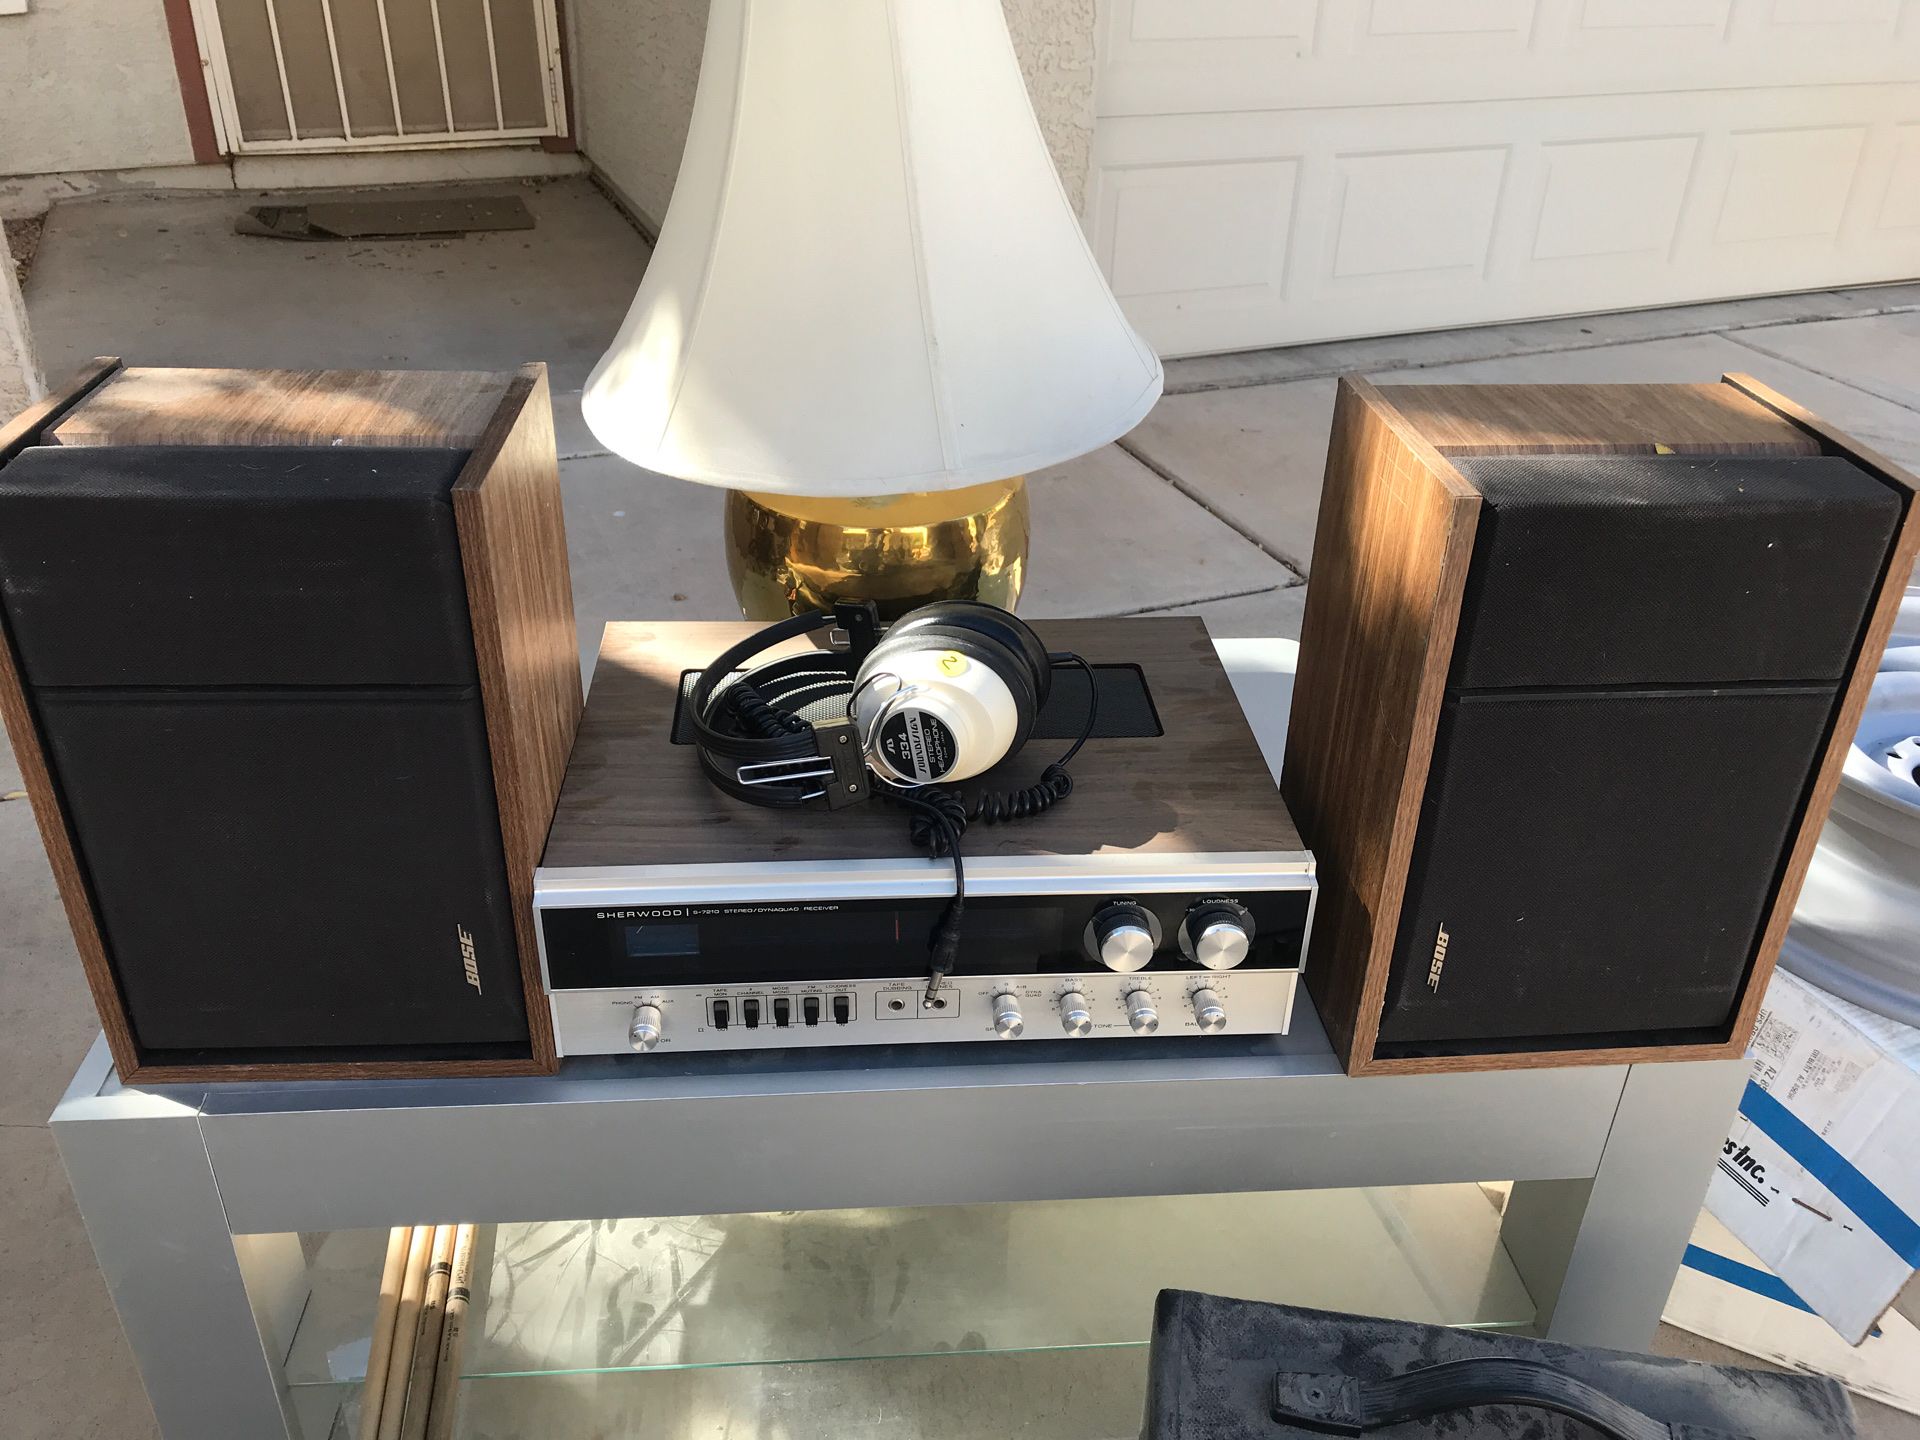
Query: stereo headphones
[[942, 696]]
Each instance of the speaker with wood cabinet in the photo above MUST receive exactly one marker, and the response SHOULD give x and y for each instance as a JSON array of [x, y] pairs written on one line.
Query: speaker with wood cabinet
[[1578, 672], [290, 671]]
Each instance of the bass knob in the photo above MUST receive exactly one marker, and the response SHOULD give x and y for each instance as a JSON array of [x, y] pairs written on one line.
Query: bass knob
[[1076, 1017]]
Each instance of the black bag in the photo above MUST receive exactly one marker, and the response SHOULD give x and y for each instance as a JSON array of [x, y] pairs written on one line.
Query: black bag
[[1241, 1370]]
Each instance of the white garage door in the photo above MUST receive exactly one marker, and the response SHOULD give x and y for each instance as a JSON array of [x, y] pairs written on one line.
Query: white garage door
[[1273, 171]]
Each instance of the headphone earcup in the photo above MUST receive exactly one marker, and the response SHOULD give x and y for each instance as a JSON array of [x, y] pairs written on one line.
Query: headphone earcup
[[984, 635], [1002, 628]]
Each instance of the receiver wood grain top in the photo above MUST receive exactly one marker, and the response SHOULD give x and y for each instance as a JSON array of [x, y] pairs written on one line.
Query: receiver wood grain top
[[145, 406], [1585, 419], [632, 797]]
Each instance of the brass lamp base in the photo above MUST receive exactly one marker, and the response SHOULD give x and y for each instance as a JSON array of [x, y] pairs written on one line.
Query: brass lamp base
[[787, 554]]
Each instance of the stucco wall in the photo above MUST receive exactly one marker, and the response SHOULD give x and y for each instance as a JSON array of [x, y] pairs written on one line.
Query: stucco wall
[[19, 370], [89, 85], [636, 63]]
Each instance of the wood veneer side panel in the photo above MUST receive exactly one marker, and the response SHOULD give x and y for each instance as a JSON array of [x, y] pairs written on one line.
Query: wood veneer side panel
[[191, 406], [1551, 1059], [1593, 419], [513, 548], [25, 428], [1853, 702], [1391, 553], [16, 709]]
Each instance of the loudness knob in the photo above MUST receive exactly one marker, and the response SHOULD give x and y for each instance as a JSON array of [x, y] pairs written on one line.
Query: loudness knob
[[1076, 1018], [1216, 934], [1142, 1013], [1123, 937], [1008, 1022], [1208, 1013], [645, 1031]]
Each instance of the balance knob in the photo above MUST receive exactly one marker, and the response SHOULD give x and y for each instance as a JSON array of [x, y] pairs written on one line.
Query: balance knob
[[1075, 1017], [1208, 1013], [1008, 1022], [1217, 935], [1123, 938], [1142, 1014], [644, 1033]]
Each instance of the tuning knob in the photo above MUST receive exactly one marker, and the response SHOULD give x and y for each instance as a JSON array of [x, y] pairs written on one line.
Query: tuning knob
[[1142, 1014], [1008, 1022], [1123, 937], [1216, 935], [644, 1033], [1075, 1016], [1208, 1013]]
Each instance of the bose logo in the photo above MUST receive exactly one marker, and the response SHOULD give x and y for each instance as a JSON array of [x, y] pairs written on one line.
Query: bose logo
[[469, 961], [1439, 959]]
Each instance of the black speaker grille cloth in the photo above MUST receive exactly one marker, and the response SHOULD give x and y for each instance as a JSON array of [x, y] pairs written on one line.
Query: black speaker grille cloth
[[230, 565], [276, 871], [1600, 863], [1126, 706], [1668, 569]]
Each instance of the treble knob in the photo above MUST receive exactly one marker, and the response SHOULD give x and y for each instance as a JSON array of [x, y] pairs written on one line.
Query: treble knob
[[1076, 1018], [645, 1031], [1216, 934], [1142, 1013], [1123, 937]]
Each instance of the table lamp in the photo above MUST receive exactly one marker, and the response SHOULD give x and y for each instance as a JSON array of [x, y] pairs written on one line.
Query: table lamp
[[871, 311]]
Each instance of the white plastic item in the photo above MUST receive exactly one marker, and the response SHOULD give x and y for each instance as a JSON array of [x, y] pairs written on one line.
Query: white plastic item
[[869, 281], [934, 716]]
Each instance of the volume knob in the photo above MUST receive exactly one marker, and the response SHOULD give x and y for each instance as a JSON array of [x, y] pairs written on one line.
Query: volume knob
[[1216, 935], [645, 1031], [1075, 1016], [1208, 1013]]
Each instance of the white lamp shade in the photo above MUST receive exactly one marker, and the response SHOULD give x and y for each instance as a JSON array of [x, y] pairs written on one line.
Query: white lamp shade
[[870, 281]]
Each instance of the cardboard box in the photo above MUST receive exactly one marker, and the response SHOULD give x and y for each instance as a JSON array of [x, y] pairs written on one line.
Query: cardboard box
[[1820, 1174], [1724, 1294]]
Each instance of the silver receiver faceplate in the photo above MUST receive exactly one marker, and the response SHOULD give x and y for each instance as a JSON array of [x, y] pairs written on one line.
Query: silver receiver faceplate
[[679, 959]]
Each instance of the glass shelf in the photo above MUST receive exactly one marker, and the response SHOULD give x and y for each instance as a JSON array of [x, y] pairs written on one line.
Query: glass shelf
[[612, 1297], [1092, 1394]]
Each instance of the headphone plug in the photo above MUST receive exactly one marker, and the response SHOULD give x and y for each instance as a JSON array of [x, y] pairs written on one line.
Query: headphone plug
[[946, 948]]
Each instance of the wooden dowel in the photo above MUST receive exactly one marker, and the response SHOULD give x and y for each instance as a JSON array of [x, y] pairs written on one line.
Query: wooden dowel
[[426, 1344], [392, 1274], [453, 1334], [406, 1328]]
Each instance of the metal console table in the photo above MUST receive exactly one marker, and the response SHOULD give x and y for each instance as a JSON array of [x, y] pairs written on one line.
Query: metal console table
[[1610, 1162]]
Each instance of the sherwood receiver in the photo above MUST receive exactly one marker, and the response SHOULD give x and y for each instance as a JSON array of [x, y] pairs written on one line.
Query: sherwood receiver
[[1169, 895]]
